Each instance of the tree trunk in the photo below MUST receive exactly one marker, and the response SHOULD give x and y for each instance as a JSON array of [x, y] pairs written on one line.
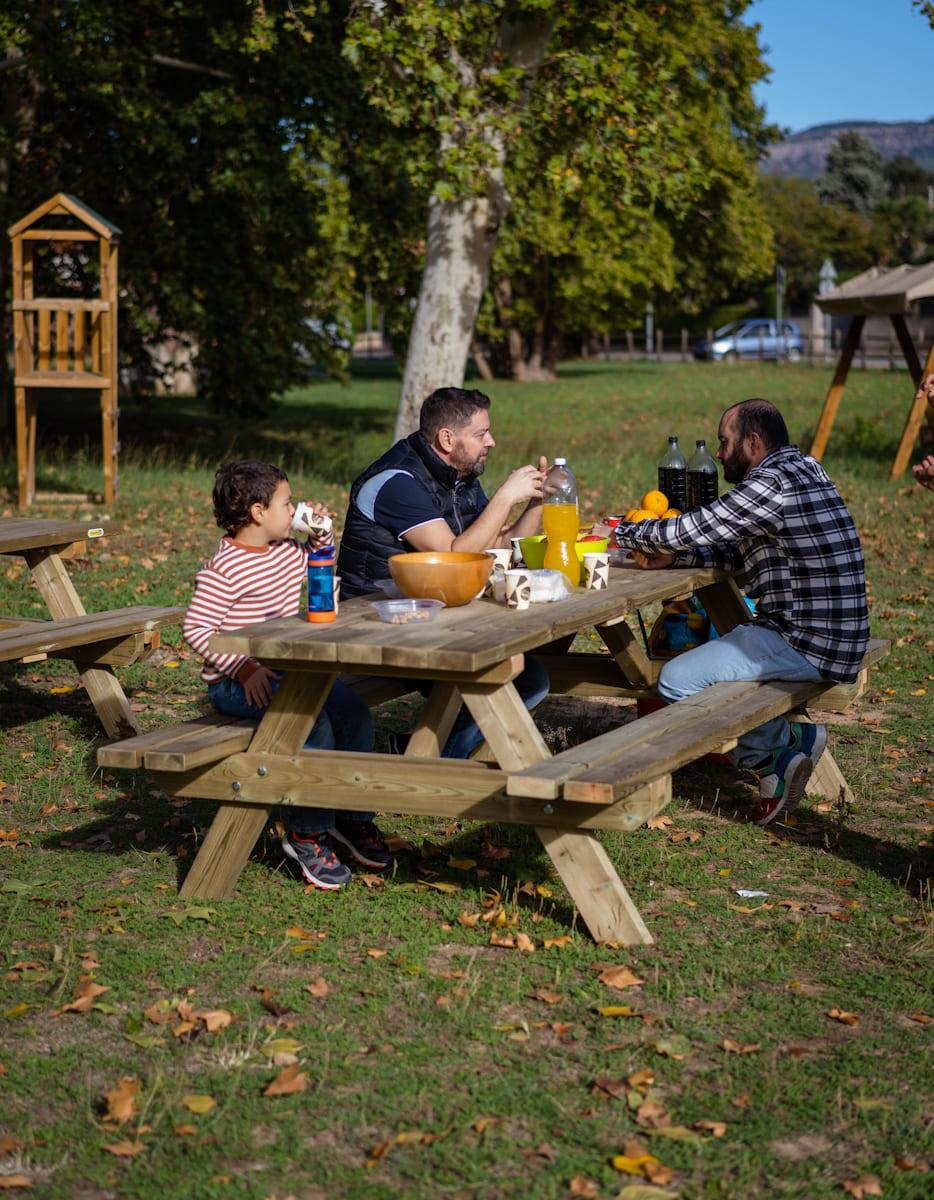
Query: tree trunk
[[461, 236], [502, 298]]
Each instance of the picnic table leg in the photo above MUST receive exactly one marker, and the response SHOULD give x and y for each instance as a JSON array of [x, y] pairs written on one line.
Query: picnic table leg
[[724, 604], [235, 828], [100, 683], [584, 866], [630, 657], [436, 722]]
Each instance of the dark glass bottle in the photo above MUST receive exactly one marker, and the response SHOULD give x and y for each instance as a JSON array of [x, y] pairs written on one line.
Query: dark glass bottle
[[672, 476], [702, 477]]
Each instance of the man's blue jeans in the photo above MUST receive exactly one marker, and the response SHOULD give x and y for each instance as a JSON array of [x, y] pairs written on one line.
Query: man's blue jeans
[[749, 651], [343, 724], [532, 685]]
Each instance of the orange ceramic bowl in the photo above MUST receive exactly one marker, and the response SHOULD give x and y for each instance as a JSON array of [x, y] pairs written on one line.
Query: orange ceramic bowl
[[447, 575]]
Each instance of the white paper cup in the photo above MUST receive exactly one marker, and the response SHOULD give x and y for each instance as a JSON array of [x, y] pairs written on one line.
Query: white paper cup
[[306, 520], [518, 588], [495, 586], [597, 571], [516, 551], [337, 593]]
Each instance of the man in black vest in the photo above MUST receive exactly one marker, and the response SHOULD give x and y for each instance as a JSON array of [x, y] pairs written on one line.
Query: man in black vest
[[424, 494]]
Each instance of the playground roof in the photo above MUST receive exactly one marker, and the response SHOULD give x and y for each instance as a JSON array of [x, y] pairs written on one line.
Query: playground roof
[[64, 204], [880, 291]]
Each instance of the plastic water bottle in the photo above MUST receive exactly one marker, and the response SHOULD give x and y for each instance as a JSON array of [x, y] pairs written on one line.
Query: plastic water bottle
[[561, 519], [672, 476], [321, 584], [702, 477]]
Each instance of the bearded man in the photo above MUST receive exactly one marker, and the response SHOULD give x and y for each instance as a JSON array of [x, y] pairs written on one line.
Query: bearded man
[[424, 493], [786, 535]]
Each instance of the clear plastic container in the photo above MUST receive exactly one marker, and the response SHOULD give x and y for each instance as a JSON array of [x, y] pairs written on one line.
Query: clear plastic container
[[407, 612]]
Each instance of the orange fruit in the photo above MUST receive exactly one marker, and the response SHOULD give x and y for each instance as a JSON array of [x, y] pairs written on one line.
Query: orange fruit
[[643, 514], [671, 512], [655, 502], [631, 515]]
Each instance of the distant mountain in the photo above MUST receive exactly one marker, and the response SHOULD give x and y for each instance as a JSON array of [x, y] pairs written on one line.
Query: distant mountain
[[805, 153]]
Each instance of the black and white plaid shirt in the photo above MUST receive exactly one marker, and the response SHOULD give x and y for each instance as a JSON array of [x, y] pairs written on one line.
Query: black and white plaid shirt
[[787, 536]]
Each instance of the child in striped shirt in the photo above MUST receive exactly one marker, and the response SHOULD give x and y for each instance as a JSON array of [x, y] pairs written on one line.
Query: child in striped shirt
[[256, 574]]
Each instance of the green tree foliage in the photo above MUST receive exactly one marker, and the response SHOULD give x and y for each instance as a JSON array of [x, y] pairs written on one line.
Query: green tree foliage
[[808, 231], [855, 176], [190, 126], [628, 158]]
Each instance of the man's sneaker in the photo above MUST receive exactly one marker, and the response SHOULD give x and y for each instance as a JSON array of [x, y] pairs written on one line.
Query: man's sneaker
[[364, 842], [316, 860], [809, 739], [782, 781]]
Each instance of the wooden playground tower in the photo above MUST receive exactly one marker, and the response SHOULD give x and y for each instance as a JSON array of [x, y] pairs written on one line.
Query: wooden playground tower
[[76, 349]]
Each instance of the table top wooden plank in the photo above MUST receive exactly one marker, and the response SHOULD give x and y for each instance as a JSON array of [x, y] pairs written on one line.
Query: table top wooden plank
[[465, 639], [36, 533]]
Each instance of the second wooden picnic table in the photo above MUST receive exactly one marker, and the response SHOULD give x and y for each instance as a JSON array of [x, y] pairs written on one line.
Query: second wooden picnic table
[[95, 642], [470, 654]]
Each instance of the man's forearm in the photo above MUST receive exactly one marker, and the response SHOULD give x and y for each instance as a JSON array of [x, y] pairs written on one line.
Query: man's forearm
[[528, 523], [485, 531]]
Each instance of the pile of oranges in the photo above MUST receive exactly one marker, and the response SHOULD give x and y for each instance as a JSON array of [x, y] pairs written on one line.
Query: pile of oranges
[[654, 505]]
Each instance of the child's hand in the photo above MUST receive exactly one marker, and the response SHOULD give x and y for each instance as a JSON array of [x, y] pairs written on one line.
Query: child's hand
[[258, 688], [317, 539]]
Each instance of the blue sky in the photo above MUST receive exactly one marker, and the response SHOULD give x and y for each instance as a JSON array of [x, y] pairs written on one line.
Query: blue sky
[[838, 60]]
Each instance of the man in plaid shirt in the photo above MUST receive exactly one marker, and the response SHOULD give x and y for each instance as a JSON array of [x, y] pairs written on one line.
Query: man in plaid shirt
[[789, 539]]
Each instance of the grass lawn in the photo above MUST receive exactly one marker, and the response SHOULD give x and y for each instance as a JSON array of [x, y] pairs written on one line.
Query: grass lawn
[[430, 1062]]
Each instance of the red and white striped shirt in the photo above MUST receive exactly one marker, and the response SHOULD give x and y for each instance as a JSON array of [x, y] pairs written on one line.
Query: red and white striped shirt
[[240, 586]]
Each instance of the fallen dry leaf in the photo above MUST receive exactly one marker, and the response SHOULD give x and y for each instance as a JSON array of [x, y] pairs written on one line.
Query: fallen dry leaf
[[587, 1189], [376, 953], [125, 1149], [287, 1082], [921, 1018], [617, 977], [845, 1018], [15, 1181], [640, 1080], [524, 943], [185, 1130], [660, 822], [864, 1185], [618, 1010], [732, 1047], [558, 943], [468, 919], [651, 1115], [632, 1164], [121, 1100], [505, 940], [717, 1128], [198, 1103], [543, 1150], [319, 989], [547, 996], [85, 994], [372, 881]]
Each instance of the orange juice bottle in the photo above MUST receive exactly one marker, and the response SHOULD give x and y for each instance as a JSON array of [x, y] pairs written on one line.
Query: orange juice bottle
[[562, 521]]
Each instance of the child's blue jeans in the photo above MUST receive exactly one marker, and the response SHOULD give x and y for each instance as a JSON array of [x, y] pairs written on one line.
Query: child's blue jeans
[[343, 724]]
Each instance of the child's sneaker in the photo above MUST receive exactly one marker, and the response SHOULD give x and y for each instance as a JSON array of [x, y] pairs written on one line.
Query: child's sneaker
[[316, 859], [782, 782], [809, 739], [364, 841]]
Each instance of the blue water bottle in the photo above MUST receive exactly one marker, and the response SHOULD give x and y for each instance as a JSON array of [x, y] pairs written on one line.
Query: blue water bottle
[[321, 584]]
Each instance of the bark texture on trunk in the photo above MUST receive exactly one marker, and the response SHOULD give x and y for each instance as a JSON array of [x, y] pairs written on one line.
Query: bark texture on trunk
[[461, 237]]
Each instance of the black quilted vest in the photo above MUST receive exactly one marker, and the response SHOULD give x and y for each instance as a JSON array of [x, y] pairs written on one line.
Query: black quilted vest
[[367, 547]]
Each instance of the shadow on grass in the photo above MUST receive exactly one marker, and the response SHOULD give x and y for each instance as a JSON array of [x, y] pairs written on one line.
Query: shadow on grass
[[722, 792]]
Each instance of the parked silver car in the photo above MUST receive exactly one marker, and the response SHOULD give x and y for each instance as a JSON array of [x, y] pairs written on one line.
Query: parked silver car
[[753, 337]]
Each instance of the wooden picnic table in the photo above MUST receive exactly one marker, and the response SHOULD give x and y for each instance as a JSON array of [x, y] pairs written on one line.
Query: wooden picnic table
[[471, 653], [95, 642]]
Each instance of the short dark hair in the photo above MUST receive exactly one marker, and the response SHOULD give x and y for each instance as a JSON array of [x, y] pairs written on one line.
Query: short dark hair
[[240, 485], [449, 408], [761, 417]]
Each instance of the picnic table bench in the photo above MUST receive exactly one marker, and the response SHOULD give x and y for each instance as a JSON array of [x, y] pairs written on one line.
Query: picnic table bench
[[470, 654], [94, 642]]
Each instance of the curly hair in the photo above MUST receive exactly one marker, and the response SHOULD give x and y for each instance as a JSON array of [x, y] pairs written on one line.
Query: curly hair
[[240, 485]]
